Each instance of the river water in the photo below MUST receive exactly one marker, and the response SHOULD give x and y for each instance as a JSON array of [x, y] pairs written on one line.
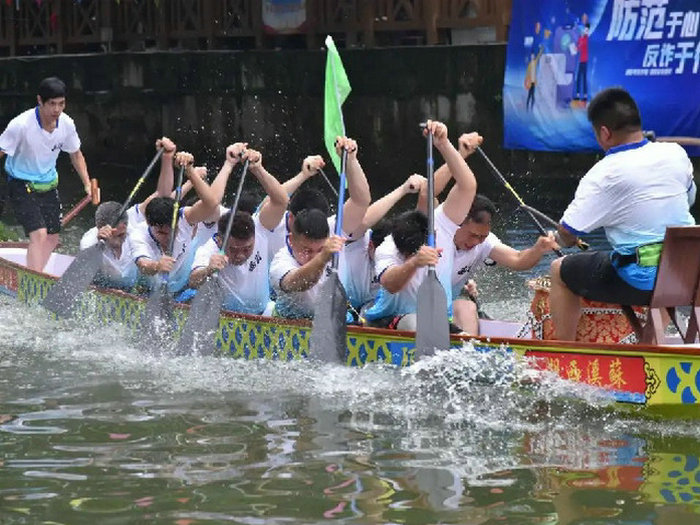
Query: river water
[[93, 430]]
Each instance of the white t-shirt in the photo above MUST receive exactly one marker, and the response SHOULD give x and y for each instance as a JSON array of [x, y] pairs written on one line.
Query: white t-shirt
[[298, 304], [206, 230], [115, 272], [404, 301], [143, 244], [281, 231], [246, 285], [32, 151], [634, 193], [362, 283], [466, 261], [134, 216]]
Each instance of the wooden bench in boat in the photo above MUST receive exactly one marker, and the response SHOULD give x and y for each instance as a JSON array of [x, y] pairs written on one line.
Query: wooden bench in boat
[[677, 285]]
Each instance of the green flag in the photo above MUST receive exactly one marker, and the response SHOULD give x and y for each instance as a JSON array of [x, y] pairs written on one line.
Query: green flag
[[337, 90]]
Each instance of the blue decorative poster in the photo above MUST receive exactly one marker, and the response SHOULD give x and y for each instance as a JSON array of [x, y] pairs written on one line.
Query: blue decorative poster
[[562, 52]]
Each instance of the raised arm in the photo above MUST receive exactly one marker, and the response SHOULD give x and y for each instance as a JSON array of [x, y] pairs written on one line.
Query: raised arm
[[207, 203], [381, 207], [273, 209], [467, 145], [234, 153], [309, 167], [164, 187], [358, 188], [165, 179], [459, 200]]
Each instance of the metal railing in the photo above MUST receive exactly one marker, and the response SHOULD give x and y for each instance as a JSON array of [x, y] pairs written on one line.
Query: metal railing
[[66, 26]]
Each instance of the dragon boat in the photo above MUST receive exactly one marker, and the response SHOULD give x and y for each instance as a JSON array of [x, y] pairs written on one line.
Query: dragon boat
[[651, 375]]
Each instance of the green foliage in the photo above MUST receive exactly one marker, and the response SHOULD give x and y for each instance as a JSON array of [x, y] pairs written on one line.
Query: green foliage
[[7, 233]]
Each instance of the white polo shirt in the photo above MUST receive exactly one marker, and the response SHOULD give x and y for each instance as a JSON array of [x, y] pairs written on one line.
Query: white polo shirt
[[466, 261], [134, 216], [246, 285], [405, 300], [32, 151], [298, 304], [281, 231], [115, 272], [143, 244], [634, 193], [206, 230]]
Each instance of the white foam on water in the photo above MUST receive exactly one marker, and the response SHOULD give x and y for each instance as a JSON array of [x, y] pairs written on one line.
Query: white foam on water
[[493, 390]]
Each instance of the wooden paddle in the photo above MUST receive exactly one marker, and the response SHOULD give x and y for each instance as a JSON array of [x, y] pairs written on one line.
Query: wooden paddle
[[198, 333], [581, 244], [94, 197], [158, 316], [61, 297], [432, 328], [329, 328]]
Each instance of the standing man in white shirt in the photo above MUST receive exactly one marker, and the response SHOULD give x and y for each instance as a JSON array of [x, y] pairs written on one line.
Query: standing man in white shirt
[[32, 142], [633, 193]]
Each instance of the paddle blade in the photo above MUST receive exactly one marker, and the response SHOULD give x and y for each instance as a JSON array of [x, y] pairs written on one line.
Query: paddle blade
[[432, 326], [61, 298], [198, 333], [158, 319], [329, 329]]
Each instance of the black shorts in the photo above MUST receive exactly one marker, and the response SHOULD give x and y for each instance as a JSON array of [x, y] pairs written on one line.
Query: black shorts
[[34, 209], [592, 275]]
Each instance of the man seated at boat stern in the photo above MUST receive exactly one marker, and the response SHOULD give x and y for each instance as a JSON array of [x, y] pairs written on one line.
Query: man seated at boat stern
[[150, 240], [118, 268], [636, 191], [244, 266], [402, 259]]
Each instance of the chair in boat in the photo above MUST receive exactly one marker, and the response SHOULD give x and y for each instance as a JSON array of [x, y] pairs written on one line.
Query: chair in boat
[[677, 285]]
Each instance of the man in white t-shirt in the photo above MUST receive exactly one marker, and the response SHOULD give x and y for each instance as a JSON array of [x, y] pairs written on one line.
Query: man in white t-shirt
[[244, 266], [475, 245], [359, 196], [118, 269], [403, 258], [299, 269], [637, 190], [150, 240], [32, 142], [362, 284]]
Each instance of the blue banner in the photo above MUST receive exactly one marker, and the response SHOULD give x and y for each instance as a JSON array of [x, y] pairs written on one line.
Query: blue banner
[[562, 52]]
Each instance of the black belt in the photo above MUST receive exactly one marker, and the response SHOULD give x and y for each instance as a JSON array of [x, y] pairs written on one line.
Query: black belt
[[623, 260]]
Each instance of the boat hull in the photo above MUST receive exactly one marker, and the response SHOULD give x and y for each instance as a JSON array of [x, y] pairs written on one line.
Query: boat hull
[[642, 375]]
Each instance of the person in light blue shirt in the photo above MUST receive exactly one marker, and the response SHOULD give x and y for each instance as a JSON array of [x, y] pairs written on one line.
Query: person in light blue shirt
[[637, 190], [32, 142]]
